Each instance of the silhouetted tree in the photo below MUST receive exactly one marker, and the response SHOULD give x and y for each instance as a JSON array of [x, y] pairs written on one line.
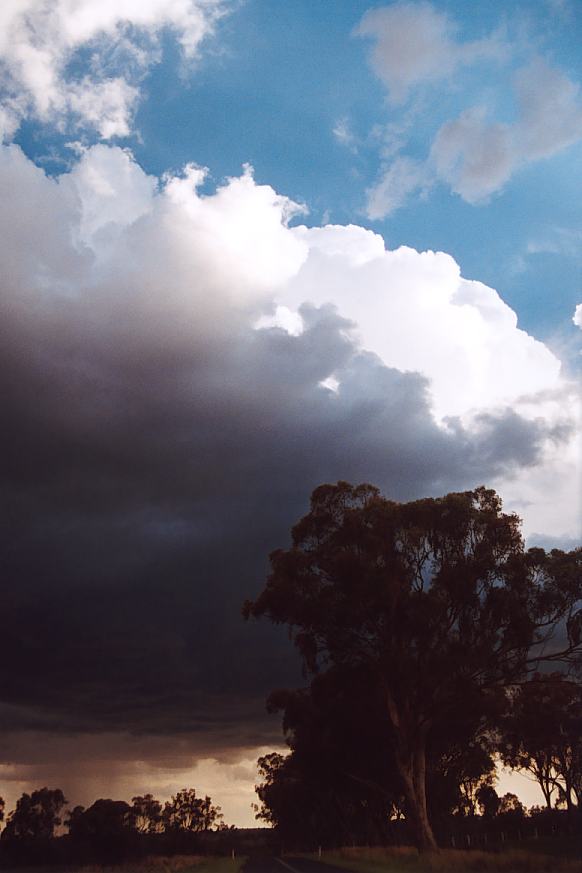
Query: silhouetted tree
[[339, 784], [290, 801], [73, 818], [272, 809], [210, 815], [528, 733], [36, 815], [466, 767], [186, 812], [566, 696], [437, 598], [488, 800], [104, 820], [223, 827], [2, 807], [542, 734], [146, 814], [511, 806], [103, 832]]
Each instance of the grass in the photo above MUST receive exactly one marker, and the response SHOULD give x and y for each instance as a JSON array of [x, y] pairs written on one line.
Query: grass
[[407, 860], [153, 864], [220, 865], [564, 845]]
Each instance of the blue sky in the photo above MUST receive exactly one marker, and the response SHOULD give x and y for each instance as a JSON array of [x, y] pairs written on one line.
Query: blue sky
[[388, 295], [276, 80]]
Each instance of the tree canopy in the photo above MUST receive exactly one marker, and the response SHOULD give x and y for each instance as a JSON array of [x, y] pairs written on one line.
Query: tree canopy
[[146, 813], [104, 819], [187, 812], [36, 815], [437, 598], [542, 734], [108, 830]]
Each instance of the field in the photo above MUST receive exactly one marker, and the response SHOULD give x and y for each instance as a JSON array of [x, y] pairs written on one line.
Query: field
[[407, 860]]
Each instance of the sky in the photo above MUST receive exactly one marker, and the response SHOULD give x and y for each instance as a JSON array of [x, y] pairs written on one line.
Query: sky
[[247, 247]]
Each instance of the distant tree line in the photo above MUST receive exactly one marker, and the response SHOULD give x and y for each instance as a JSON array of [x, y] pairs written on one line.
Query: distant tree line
[[108, 830], [436, 644]]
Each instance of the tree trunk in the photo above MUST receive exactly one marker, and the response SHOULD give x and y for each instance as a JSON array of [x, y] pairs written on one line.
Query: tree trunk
[[412, 769], [569, 805], [567, 777], [410, 754], [547, 788]]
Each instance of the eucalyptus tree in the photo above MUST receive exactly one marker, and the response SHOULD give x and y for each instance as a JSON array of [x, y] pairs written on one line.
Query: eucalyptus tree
[[437, 598], [542, 735], [36, 815], [187, 812]]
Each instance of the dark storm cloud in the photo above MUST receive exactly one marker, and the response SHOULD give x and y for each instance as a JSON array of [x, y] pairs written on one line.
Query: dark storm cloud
[[148, 469], [134, 534]]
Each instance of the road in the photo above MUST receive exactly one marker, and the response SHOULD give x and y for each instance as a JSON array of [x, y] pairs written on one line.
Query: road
[[288, 864]]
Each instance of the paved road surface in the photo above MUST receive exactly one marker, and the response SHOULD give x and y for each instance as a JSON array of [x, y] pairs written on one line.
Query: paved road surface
[[288, 864]]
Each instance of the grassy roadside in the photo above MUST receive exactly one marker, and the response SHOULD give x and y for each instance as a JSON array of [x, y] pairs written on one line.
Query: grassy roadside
[[211, 865], [407, 860], [220, 865], [174, 864]]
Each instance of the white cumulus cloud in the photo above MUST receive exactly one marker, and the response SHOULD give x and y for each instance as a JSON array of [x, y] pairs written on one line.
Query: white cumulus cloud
[[417, 312], [39, 40], [150, 270]]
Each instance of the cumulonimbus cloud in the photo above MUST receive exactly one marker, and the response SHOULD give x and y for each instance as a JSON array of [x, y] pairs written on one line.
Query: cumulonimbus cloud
[[178, 371], [40, 40]]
